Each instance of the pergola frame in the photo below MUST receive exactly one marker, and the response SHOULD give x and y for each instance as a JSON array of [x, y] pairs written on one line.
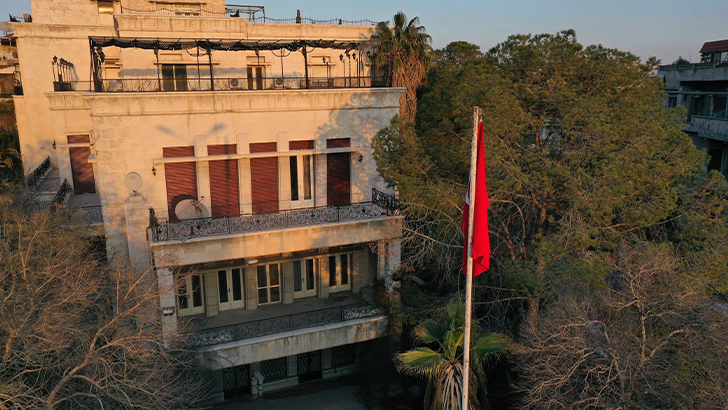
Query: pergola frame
[[97, 44]]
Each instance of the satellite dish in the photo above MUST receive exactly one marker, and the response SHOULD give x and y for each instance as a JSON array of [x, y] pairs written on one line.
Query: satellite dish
[[190, 209], [133, 181]]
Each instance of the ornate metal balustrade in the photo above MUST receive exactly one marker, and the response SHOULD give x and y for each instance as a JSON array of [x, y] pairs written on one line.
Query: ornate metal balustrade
[[381, 204], [281, 324], [36, 177], [153, 84]]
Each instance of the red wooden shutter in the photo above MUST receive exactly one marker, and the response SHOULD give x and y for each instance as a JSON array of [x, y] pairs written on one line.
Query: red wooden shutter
[[264, 178], [338, 185], [224, 181], [338, 143], [81, 170], [181, 178], [300, 145]]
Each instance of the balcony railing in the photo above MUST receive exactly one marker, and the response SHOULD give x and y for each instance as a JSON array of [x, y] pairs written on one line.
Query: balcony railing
[[281, 324], [381, 204], [153, 84]]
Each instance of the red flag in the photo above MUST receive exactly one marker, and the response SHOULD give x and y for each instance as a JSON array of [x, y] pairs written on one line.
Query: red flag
[[481, 240]]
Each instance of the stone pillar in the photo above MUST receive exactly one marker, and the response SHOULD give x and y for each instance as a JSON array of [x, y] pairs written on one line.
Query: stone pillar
[[393, 260], [251, 289], [381, 260], [319, 171], [287, 283], [323, 277], [326, 359], [165, 282], [244, 183], [292, 365], [137, 221], [212, 305]]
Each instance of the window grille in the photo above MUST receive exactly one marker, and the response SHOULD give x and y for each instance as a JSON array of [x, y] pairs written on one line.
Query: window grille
[[343, 355], [274, 369], [236, 381]]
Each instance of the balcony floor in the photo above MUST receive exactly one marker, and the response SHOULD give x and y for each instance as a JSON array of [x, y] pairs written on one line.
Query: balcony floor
[[238, 316]]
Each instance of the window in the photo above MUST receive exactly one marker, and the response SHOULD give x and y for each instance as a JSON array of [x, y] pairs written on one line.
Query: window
[[343, 355], [269, 283], [301, 180], [189, 296], [304, 278], [106, 7], [340, 272], [255, 77], [274, 369], [174, 77], [230, 288]]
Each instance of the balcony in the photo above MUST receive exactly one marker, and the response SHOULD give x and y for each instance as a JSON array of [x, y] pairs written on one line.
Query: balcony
[[164, 230], [220, 84], [714, 128], [274, 319], [240, 337]]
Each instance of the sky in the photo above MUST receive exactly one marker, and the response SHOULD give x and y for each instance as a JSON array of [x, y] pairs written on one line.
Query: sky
[[665, 29]]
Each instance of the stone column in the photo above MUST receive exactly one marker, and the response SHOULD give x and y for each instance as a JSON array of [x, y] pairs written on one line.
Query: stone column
[[137, 221], [165, 282]]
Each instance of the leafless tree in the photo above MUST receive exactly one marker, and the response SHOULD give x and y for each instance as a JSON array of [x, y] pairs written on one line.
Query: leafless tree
[[76, 333], [653, 339]]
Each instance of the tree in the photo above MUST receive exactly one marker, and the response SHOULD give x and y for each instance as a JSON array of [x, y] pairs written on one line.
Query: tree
[[74, 332], [653, 339], [681, 61], [653, 62], [583, 163], [403, 54], [443, 367]]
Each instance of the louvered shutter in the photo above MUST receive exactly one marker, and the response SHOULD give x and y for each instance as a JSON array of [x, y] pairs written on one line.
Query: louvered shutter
[[264, 178], [181, 178], [338, 143], [224, 181], [300, 145], [81, 170]]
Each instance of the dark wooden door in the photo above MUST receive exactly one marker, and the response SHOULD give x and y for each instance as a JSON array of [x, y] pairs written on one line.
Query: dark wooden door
[[81, 170]]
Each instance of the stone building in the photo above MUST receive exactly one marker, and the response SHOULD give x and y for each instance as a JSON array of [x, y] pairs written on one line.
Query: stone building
[[702, 89], [232, 154]]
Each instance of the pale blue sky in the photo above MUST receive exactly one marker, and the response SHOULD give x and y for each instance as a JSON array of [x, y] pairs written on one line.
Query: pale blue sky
[[665, 29]]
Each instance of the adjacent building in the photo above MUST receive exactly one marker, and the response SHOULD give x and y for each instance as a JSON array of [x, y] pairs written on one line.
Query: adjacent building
[[232, 154], [702, 89]]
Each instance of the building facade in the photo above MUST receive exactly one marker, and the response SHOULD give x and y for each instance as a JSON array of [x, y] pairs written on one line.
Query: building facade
[[703, 90], [230, 154]]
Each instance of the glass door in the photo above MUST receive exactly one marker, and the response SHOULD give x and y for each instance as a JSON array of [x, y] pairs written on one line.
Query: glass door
[[230, 288], [304, 278], [301, 167]]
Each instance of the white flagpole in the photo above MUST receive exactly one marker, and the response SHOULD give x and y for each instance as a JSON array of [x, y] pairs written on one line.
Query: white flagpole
[[469, 269]]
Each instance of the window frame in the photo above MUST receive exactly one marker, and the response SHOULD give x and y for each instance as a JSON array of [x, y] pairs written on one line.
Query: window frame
[[231, 302], [185, 295], [306, 278], [338, 274], [298, 197], [268, 287]]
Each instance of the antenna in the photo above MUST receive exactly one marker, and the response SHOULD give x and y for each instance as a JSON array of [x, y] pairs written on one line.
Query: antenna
[[133, 181]]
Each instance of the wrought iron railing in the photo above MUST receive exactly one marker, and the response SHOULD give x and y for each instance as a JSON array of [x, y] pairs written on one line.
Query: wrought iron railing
[[252, 13], [153, 84], [64, 189], [36, 177], [281, 324], [381, 204]]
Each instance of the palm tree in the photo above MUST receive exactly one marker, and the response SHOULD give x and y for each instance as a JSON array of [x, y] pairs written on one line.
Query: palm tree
[[403, 54], [443, 367]]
